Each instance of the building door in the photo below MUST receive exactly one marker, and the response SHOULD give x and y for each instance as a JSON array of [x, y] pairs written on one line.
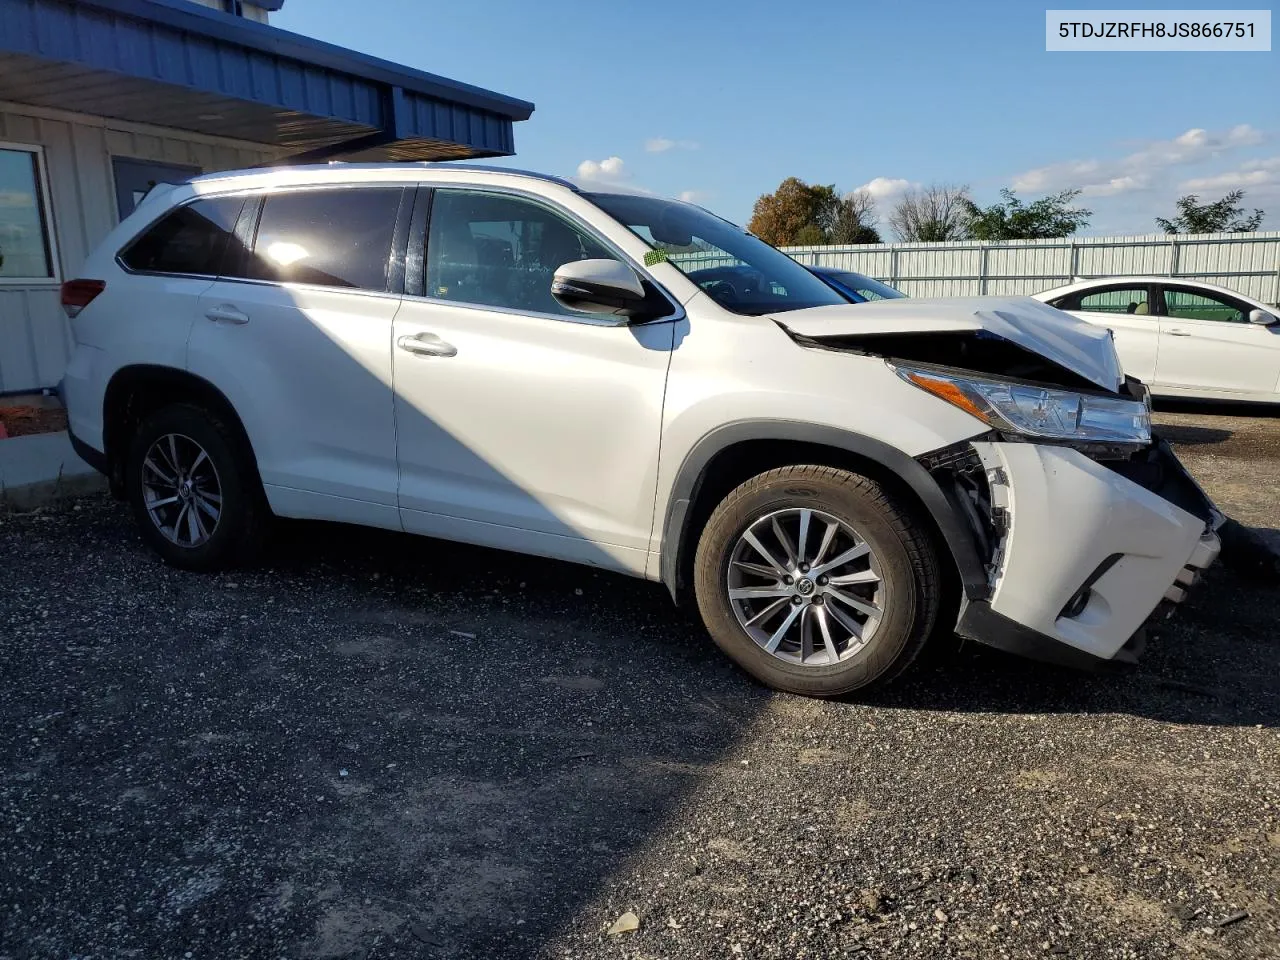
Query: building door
[[135, 177]]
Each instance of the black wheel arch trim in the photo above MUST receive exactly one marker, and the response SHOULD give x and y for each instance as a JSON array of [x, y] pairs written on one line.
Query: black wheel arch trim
[[952, 527], [156, 374]]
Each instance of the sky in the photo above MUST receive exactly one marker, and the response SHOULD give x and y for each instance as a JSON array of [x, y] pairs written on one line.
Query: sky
[[718, 101]]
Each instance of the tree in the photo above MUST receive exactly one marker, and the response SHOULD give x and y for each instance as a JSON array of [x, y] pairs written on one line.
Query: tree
[[1221, 216], [803, 214], [1046, 218], [854, 220], [810, 235], [779, 217], [934, 213]]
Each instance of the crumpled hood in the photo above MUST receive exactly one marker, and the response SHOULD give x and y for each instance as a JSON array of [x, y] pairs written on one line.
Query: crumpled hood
[[1084, 349]]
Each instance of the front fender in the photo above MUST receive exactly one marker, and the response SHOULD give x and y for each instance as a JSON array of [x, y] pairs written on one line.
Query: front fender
[[951, 526]]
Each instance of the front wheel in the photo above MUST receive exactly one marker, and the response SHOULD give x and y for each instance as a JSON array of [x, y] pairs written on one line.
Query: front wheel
[[816, 581]]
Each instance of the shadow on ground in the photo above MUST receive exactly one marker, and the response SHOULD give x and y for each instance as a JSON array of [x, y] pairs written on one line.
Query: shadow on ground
[[383, 746], [1193, 436], [1216, 408]]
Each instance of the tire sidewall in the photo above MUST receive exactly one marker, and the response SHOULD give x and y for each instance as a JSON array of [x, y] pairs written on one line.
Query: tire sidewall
[[224, 544], [906, 607]]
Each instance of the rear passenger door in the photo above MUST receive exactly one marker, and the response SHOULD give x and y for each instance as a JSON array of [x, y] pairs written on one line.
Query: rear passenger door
[[1126, 309], [297, 334], [166, 271]]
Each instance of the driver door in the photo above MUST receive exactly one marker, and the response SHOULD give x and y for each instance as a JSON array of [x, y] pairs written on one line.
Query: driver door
[[521, 424]]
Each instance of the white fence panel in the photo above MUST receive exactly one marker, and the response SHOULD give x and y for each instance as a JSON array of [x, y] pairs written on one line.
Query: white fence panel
[[1247, 262]]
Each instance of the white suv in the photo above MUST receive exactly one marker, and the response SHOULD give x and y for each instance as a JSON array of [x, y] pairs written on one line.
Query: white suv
[[615, 379]]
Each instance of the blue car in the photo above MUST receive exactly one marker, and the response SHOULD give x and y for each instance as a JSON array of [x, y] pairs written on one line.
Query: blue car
[[856, 286]]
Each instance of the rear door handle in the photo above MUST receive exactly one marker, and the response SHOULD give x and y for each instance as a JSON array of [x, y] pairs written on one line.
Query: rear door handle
[[226, 313], [427, 345], [1179, 333]]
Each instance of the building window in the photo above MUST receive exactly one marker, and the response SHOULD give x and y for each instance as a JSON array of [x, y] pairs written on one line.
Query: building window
[[26, 246]]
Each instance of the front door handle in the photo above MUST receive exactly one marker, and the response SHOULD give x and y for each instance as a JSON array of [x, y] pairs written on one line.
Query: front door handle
[[427, 345], [226, 313], [1179, 333]]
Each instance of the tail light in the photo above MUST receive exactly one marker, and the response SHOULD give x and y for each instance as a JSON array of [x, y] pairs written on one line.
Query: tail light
[[78, 294]]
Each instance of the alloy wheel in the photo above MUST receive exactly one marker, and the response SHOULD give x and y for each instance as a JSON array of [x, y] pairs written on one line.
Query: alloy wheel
[[806, 587], [181, 490]]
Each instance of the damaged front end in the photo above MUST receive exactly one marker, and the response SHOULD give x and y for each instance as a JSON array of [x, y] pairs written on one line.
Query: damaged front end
[[1085, 524], [1081, 552]]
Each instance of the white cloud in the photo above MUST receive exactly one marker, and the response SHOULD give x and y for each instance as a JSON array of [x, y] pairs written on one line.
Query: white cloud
[[1257, 176], [1140, 169], [1115, 185], [611, 168], [663, 144], [692, 196], [885, 189]]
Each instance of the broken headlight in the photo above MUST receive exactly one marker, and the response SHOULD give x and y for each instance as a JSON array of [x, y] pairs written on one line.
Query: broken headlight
[[1037, 412]]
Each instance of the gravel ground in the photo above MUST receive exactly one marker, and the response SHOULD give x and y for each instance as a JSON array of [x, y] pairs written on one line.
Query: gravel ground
[[375, 747]]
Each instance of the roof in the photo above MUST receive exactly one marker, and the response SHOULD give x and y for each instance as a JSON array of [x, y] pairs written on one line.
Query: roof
[[1152, 278], [179, 64]]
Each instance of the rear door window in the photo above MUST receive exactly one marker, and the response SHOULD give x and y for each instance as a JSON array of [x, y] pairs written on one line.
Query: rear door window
[[192, 239], [332, 238], [1121, 300]]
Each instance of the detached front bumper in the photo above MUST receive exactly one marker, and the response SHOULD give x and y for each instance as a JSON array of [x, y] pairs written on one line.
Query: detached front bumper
[[1088, 551]]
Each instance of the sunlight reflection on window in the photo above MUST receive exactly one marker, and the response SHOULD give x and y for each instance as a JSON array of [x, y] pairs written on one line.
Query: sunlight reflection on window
[[287, 253]]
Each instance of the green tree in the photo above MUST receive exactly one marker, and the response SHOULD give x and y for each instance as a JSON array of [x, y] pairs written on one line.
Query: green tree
[[1011, 219], [1221, 216], [810, 235]]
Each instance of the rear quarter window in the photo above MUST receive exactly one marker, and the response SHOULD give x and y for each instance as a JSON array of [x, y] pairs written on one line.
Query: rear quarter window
[[192, 239]]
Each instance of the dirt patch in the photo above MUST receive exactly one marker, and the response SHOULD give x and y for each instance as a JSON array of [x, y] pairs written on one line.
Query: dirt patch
[[27, 421]]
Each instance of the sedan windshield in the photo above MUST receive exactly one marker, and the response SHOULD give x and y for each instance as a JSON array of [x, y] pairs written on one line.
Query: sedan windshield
[[738, 271]]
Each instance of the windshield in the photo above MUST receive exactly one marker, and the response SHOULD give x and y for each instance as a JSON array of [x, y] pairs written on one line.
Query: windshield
[[861, 287], [738, 271]]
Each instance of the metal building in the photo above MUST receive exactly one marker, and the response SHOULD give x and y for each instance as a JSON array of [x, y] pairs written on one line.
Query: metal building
[[99, 99]]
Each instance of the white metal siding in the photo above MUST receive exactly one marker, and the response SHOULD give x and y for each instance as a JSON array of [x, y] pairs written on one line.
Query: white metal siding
[[1247, 262], [35, 340]]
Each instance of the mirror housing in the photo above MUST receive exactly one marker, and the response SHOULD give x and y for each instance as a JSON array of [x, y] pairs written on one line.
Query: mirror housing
[[1262, 318], [605, 287]]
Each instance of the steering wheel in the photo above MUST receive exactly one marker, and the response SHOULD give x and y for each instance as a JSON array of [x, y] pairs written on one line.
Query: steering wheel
[[721, 288]]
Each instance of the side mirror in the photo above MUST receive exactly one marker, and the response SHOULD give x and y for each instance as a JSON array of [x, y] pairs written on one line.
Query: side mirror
[[1262, 318], [605, 287]]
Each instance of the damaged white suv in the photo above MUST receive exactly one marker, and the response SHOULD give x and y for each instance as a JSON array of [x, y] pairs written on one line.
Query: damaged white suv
[[613, 379]]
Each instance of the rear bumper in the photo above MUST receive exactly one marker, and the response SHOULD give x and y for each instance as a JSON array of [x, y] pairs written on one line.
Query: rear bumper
[[1089, 553], [94, 458]]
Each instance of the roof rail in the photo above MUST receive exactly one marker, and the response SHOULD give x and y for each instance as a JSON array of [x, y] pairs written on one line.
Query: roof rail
[[402, 165], [493, 168]]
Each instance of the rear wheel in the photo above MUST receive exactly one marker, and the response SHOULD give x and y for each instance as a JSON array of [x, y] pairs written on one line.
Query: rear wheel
[[816, 581], [194, 488]]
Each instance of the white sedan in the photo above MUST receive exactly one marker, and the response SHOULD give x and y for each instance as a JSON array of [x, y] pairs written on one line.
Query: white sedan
[[1183, 338]]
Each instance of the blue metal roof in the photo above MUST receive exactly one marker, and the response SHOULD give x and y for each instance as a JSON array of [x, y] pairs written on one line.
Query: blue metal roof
[[178, 64]]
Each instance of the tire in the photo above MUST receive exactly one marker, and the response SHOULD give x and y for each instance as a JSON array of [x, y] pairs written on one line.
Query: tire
[[237, 532], [901, 569]]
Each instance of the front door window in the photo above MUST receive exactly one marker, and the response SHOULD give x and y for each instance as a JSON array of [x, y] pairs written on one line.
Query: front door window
[[1198, 305]]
